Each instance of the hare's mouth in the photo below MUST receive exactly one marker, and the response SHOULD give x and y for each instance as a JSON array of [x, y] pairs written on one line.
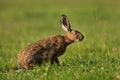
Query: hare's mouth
[[79, 39]]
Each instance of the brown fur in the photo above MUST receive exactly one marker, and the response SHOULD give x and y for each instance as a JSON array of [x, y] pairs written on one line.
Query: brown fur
[[47, 49]]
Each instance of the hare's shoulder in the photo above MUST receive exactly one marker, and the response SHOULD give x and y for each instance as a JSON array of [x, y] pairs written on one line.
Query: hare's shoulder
[[58, 40]]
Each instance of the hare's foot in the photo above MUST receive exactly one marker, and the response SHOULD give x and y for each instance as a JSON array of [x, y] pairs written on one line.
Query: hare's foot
[[55, 60]]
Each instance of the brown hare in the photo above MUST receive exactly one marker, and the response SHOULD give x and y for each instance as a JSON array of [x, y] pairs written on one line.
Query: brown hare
[[49, 48]]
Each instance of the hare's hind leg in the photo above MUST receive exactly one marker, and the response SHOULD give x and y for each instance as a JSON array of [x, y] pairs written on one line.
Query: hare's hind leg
[[20, 66]]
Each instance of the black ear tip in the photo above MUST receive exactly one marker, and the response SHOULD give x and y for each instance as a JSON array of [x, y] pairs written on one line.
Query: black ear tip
[[63, 15]]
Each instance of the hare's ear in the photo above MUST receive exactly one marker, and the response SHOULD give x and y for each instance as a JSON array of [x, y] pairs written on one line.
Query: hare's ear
[[65, 23]]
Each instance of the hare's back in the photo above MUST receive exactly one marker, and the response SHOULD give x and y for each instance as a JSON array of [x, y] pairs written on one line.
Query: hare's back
[[45, 48]]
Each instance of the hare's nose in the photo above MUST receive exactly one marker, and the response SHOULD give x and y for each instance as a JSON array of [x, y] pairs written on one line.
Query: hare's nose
[[82, 37]]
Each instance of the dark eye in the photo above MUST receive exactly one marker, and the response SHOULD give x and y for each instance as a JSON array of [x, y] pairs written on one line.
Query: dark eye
[[76, 36]]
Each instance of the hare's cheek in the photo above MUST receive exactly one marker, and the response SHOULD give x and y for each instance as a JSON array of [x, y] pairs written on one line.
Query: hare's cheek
[[77, 39]]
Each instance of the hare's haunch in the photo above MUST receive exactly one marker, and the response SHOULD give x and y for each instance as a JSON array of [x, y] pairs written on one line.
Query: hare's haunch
[[50, 48]]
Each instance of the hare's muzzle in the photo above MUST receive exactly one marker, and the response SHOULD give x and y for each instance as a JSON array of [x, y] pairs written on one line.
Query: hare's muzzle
[[81, 37]]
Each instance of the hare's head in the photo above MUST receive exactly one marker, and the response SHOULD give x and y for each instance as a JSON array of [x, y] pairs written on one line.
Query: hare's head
[[73, 35]]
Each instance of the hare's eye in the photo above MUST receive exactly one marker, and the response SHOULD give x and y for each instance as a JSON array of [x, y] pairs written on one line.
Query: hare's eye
[[77, 35]]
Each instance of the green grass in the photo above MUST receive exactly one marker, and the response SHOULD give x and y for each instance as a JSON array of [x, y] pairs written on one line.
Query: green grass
[[97, 57]]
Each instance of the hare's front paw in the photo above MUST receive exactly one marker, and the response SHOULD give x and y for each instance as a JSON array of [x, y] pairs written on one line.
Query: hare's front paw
[[62, 63], [55, 60]]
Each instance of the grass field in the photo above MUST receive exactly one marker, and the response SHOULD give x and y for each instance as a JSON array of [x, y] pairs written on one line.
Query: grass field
[[97, 57]]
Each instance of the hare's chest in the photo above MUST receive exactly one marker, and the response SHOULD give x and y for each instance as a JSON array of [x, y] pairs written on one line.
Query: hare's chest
[[53, 51], [60, 50], [47, 54]]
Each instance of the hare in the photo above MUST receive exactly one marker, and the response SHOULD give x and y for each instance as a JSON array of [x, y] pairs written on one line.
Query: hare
[[49, 49]]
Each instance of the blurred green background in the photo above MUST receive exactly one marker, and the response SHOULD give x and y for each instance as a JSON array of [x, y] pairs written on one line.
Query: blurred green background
[[23, 22]]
